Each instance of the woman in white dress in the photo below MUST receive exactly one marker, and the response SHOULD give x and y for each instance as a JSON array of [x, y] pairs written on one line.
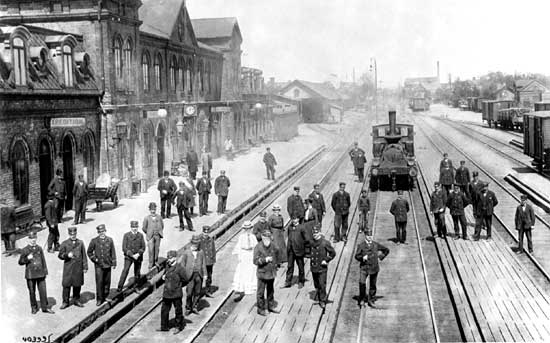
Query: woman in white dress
[[245, 281]]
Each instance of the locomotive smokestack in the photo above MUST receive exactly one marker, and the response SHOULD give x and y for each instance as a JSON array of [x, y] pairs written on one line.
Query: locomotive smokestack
[[392, 121]]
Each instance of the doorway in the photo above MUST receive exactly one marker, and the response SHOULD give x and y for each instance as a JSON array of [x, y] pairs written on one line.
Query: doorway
[[46, 169], [160, 150], [68, 170]]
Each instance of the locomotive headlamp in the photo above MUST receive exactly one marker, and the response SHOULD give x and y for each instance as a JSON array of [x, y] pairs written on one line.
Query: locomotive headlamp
[[412, 172], [410, 162], [374, 172]]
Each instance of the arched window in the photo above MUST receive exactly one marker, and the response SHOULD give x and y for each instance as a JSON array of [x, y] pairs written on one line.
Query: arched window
[[132, 149], [207, 79], [201, 76], [173, 73], [181, 66], [20, 169], [117, 49], [158, 70], [68, 65], [19, 58], [189, 76], [88, 156], [127, 64], [145, 62]]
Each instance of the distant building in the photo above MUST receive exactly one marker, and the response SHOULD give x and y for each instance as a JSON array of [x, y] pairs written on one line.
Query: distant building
[[530, 91], [430, 85], [319, 101], [504, 93]]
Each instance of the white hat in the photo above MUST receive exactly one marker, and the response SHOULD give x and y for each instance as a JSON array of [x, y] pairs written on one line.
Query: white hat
[[276, 207], [247, 224]]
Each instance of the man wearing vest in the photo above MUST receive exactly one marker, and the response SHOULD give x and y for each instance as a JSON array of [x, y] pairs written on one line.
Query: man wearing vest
[[318, 202], [167, 188], [153, 228], [101, 252]]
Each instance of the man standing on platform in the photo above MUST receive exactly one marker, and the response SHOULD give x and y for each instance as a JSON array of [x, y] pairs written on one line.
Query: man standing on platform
[[51, 222], [80, 194], [364, 209], [133, 247], [486, 204], [208, 247], [399, 208], [368, 253], [57, 188], [295, 205], [525, 223], [358, 158], [153, 227], [167, 188], [474, 191], [297, 244], [318, 202], [32, 257], [456, 203], [193, 262], [206, 161], [75, 264], [446, 178], [446, 162], [265, 258], [277, 228], [101, 252], [260, 226], [462, 177], [204, 186], [228, 145], [175, 278], [270, 163], [438, 201], [192, 160], [341, 203], [184, 199], [322, 253], [221, 188]]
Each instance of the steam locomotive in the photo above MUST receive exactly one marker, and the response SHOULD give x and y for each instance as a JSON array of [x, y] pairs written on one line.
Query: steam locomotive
[[393, 164]]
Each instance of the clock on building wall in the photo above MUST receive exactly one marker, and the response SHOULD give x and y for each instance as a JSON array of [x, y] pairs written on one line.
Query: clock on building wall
[[190, 110]]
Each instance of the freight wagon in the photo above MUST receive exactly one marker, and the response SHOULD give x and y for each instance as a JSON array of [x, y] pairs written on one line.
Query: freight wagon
[[491, 108], [511, 118], [419, 104], [536, 139]]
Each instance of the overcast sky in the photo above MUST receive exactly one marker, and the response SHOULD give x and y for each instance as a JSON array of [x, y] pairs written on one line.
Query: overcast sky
[[311, 39]]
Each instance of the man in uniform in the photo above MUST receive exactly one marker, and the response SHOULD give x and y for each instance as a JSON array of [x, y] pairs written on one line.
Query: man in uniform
[[270, 163], [73, 253], [446, 161], [277, 228], [525, 223], [193, 262], [133, 247], [7, 225], [265, 258], [57, 188], [183, 203], [297, 244], [80, 194], [260, 226], [358, 158], [399, 209], [438, 201], [322, 253], [462, 177], [32, 257], [153, 228], [474, 191], [192, 160], [175, 278], [204, 186], [485, 208], [51, 222], [221, 188], [368, 253], [167, 188], [341, 203], [318, 202], [456, 203], [295, 205], [208, 247], [101, 252], [364, 209], [446, 178]]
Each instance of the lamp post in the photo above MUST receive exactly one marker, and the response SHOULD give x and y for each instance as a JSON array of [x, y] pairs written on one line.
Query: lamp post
[[374, 67]]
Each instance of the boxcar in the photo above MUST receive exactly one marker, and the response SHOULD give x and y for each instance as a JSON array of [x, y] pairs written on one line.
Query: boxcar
[[511, 118], [542, 106], [491, 108], [536, 139], [419, 104]]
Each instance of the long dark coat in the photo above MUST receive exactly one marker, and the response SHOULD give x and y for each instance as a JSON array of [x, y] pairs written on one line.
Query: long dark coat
[[266, 270], [175, 279], [486, 203], [73, 268], [525, 219], [321, 250], [399, 208], [340, 202], [221, 185], [462, 176], [446, 176], [295, 206], [298, 240], [318, 202], [192, 160], [371, 250], [36, 267], [208, 247]]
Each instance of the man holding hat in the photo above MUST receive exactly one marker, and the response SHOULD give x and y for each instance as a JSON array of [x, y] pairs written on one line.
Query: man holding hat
[[265, 258], [341, 203], [485, 208], [133, 247], [73, 253], [322, 253], [298, 242], [101, 252], [399, 209], [208, 247], [221, 188], [462, 177], [368, 253], [438, 201], [204, 186], [318, 202], [167, 188], [295, 205], [260, 226], [277, 225], [32, 257], [51, 222], [456, 203], [525, 223], [153, 228], [174, 279], [193, 262]]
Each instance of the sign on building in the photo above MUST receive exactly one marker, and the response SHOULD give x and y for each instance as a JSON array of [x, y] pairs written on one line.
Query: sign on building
[[68, 122], [218, 109]]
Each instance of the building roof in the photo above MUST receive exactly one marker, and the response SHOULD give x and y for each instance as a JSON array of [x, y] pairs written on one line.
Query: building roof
[[430, 83], [208, 28], [159, 16], [322, 90], [524, 84]]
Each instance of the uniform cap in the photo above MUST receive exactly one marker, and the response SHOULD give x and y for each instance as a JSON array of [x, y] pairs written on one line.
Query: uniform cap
[[342, 184], [295, 221], [134, 223], [263, 214], [172, 253], [296, 188], [71, 230], [476, 173], [276, 207], [437, 183], [32, 235], [524, 197], [267, 233], [101, 228], [368, 232], [400, 192], [206, 229], [152, 205], [195, 239], [462, 162], [316, 229], [247, 224]]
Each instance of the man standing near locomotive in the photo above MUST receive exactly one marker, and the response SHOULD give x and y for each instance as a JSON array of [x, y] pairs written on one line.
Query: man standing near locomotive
[[341, 203], [485, 208], [399, 209], [318, 202], [322, 253], [462, 177], [446, 177], [456, 203], [446, 162], [295, 205], [167, 188], [270, 163], [153, 227], [525, 223], [75, 264], [221, 188], [368, 253], [57, 188], [265, 258], [80, 195], [438, 202], [133, 247], [358, 158], [101, 252]]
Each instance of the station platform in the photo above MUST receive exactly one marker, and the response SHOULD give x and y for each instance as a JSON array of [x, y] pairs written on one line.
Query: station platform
[[247, 174]]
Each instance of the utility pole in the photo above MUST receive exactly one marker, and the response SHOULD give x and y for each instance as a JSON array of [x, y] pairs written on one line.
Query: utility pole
[[373, 65]]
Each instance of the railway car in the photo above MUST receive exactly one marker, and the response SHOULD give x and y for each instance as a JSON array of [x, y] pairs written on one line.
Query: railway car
[[393, 164], [491, 108], [511, 118], [419, 104], [542, 106], [536, 139]]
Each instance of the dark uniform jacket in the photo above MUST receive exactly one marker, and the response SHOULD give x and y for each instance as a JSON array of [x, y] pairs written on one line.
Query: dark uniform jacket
[[446, 162], [7, 219], [486, 203], [364, 204], [80, 191], [175, 279], [340, 202], [188, 262], [295, 206], [133, 244], [73, 268], [311, 215], [474, 188], [438, 201], [152, 224], [266, 270], [102, 252], [525, 219], [36, 267], [221, 185], [208, 247], [399, 209], [358, 158], [446, 176], [318, 202], [298, 240], [321, 250], [276, 221], [456, 203], [192, 160], [49, 212], [184, 198], [57, 187], [167, 185], [203, 185], [371, 250], [260, 227], [269, 159], [462, 176]]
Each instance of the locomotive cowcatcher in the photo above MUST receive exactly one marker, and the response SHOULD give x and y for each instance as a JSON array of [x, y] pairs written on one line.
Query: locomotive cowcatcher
[[393, 164]]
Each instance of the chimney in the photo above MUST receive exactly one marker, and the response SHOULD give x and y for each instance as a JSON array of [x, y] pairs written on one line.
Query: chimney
[[392, 121], [437, 70]]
